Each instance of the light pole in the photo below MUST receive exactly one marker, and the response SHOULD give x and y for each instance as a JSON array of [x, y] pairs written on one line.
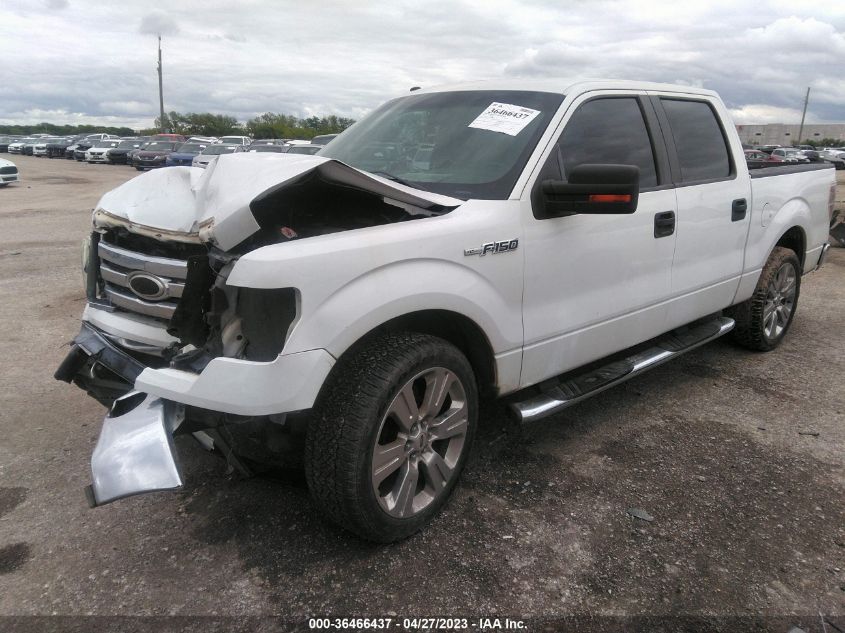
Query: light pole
[[160, 89], [803, 114]]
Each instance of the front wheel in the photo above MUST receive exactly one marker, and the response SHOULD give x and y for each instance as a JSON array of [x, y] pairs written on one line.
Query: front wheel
[[390, 435], [763, 320]]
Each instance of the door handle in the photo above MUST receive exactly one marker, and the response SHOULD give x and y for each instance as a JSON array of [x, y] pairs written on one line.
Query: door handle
[[738, 209], [664, 223]]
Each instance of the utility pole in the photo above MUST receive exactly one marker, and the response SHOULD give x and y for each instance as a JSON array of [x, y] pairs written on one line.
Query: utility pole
[[803, 114], [161, 89]]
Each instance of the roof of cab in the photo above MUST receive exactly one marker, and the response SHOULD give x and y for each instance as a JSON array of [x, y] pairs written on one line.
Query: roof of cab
[[567, 87]]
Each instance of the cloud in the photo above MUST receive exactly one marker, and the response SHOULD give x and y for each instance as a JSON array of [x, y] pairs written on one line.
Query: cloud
[[158, 23], [57, 5], [757, 114], [307, 58]]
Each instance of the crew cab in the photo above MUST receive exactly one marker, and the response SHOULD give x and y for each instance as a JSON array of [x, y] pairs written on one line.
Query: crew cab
[[533, 241]]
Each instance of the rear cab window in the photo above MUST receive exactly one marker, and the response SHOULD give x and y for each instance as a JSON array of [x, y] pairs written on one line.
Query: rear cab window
[[700, 143]]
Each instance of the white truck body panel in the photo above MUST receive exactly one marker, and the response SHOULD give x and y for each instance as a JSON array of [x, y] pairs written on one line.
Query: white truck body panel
[[578, 288]]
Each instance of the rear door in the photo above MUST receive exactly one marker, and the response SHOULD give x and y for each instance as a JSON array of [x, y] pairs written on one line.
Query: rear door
[[714, 204]]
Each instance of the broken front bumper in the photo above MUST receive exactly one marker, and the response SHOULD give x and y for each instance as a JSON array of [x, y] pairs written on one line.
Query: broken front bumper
[[135, 452], [288, 383]]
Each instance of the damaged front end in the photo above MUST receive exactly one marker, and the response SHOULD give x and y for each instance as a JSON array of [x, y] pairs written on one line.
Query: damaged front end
[[171, 348]]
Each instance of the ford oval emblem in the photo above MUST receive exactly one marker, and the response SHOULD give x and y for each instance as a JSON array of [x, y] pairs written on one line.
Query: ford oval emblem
[[147, 286]]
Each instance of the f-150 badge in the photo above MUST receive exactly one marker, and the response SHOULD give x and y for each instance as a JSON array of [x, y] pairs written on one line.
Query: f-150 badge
[[505, 246]]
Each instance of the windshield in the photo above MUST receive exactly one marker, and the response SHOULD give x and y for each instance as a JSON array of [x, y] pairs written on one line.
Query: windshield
[[232, 139], [471, 144], [219, 149], [128, 144], [190, 148]]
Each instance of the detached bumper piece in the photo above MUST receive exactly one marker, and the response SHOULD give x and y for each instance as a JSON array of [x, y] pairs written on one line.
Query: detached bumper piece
[[99, 366], [135, 452]]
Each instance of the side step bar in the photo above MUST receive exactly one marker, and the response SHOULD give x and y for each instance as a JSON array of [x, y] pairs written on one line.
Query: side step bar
[[565, 393]]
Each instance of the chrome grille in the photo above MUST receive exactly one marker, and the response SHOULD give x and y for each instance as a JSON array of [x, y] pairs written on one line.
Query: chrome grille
[[119, 265]]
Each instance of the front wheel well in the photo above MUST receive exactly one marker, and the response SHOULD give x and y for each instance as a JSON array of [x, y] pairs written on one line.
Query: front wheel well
[[460, 331], [457, 329], [795, 240]]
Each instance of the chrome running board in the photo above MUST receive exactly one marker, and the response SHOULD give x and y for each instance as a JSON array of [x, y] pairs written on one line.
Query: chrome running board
[[565, 393]]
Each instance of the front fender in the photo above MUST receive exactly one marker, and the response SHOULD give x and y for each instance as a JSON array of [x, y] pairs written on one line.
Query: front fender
[[351, 282], [401, 288]]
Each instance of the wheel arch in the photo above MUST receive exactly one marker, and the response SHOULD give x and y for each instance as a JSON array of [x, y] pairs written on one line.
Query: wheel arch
[[794, 239], [458, 329]]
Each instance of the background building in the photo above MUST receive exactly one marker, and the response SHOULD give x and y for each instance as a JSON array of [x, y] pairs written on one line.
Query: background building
[[787, 134]]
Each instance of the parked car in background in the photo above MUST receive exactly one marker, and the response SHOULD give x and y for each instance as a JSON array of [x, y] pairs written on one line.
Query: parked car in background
[[8, 172], [16, 147], [278, 149], [173, 138], [29, 147], [790, 155], [153, 154], [118, 155], [205, 140], [184, 154], [56, 147], [767, 148], [83, 146], [5, 140], [755, 158], [304, 149], [323, 139], [835, 157], [99, 136], [99, 152], [235, 140], [40, 147], [210, 154], [267, 141]]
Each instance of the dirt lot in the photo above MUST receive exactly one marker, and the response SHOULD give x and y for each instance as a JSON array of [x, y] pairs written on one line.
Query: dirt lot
[[737, 456]]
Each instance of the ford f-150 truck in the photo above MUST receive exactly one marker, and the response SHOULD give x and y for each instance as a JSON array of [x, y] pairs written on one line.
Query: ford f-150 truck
[[535, 241]]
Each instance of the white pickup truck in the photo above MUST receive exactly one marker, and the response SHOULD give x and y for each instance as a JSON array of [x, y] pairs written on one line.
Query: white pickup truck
[[536, 240]]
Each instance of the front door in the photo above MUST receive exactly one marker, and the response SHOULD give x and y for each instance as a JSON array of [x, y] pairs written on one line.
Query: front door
[[595, 284]]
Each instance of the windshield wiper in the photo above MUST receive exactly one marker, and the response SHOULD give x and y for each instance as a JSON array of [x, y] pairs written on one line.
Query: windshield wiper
[[390, 176]]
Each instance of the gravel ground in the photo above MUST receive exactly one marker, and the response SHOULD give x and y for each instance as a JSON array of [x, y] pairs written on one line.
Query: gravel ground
[[736, 456]]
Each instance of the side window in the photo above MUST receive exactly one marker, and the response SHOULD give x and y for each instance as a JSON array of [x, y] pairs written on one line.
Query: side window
[[702, 151], [609, 131]]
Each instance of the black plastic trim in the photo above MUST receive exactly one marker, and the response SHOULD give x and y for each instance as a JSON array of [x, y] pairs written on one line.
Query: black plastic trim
[[98, 347], [766, 172], [669, 139]]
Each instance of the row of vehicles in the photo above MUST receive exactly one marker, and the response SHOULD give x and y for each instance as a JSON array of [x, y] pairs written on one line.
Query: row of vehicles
[[767, 155], [146, 152]]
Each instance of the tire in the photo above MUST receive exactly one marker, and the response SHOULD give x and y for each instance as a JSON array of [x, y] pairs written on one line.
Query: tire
[[763, 320], [374, 408]]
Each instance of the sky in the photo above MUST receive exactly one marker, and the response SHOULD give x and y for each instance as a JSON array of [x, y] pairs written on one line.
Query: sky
[[92, 61]]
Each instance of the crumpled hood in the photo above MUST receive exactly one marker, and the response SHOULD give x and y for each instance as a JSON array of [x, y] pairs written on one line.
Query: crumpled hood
[[213, 204]]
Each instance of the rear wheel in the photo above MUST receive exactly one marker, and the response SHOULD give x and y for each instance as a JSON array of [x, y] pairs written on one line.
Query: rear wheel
[[763, 320], [388, 441]]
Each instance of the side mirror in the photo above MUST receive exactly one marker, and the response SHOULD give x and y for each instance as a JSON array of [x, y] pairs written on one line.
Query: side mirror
[[602, 189]]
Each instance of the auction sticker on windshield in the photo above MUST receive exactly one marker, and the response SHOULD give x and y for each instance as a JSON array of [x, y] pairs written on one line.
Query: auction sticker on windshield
[[505, 118]]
